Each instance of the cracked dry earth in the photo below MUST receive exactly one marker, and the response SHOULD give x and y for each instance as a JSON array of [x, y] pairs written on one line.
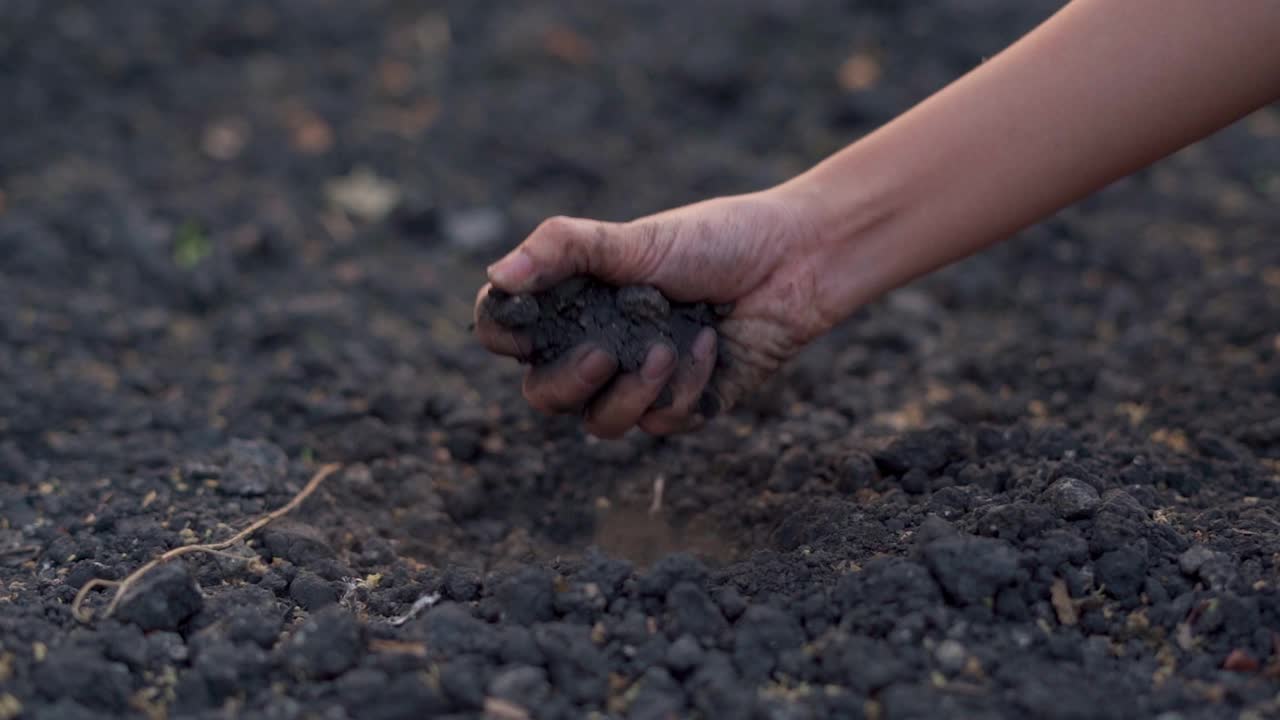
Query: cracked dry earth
[[239, 240]]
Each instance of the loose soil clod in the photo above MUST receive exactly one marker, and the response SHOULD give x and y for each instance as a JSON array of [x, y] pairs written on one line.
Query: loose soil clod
[[625, 321]]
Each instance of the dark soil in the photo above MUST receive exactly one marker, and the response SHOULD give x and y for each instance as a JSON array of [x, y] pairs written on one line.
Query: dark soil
[[241, 239], [626, 321]]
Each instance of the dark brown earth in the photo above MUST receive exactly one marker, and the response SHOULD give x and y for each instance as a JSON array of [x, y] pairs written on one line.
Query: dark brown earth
[[626, 321], [240, 239]]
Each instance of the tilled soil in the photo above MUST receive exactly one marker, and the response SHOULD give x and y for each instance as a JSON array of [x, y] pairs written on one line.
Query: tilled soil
[[239, 240]]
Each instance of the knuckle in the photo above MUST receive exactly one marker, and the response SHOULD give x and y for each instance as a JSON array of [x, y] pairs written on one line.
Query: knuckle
[[553, 239], [540, 396], [554, 229]]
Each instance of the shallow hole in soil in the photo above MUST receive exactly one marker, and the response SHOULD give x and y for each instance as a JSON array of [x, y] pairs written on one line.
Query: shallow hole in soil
[[635, 533]]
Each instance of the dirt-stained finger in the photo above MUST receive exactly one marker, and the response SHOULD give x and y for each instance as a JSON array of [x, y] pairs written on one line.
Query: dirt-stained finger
[[619, 408], [570, 383], [687, 385]]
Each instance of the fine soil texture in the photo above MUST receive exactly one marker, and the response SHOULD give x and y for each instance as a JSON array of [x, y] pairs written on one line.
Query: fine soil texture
[[240, 242]]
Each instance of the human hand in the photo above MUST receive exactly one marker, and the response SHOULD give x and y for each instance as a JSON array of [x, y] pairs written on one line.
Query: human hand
[[755, 251]]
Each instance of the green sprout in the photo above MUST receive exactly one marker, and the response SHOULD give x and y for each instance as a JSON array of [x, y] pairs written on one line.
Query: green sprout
[[190, 245]]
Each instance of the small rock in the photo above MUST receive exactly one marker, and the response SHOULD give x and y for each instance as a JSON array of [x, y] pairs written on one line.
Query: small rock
[[297, 542], [253, 468], [1122, 504], [951, 656], [328, 644], [162, 600], [694, 612], [731, 602], [671, 570], [1122, 571], [84, 571], [605, 572], [928, 450], [932, 529], [83, 675], [658, 697], [516, 646], [1072, 498], [475, 230], [684, 654], [527, 596], [764, 633], [312, 592], [1220, 572], [253, 624], [971, 568], [451, 630], [915, 481], [856, 472], [166, 648], [463, 681], [461, 584], [1216, 569], [1195, 556], [523, 685], [577, 667]]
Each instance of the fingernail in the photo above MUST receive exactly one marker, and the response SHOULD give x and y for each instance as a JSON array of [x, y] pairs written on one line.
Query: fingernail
[[512, 272], [595, 367], [704, 344], [658, 363]]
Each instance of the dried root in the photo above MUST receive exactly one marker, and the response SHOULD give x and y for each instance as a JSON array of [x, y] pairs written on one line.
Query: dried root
[[123, 586]]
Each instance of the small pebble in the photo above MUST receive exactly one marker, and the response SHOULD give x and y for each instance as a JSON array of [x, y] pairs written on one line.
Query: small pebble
[[951, 656], [1072, 498]]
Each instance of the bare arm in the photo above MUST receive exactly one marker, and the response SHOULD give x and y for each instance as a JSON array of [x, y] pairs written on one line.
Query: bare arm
[[1098, 91], [1102, 88]]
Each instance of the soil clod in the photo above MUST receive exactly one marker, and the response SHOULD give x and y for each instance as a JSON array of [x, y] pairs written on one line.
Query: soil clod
[[161, 600], [625, 321]]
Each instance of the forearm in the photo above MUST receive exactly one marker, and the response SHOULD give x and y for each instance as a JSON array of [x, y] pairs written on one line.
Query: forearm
[[1103, 88]]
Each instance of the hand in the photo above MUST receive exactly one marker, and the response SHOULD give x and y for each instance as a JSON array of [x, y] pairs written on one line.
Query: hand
[[756, 251]]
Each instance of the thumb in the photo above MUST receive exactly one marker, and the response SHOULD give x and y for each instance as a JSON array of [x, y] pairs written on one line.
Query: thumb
[[619, 253]]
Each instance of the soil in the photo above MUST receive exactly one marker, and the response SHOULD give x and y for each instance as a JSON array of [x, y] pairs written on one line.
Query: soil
[[625, 321], [240, 239]]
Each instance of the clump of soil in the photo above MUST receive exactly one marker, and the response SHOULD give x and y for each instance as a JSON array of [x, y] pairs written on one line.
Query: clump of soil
[[626, 321]]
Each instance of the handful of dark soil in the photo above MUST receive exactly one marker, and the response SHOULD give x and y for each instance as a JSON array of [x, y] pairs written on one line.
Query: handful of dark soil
[[626, 321]]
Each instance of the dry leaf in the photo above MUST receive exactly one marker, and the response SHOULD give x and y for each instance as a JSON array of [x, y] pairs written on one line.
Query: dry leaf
[[1240, 661]]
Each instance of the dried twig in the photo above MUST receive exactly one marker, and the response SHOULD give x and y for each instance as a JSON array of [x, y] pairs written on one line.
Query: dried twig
[[499, 709], [659, 485], [122, 586], [418, 606], [1060, 598], [19, 550]]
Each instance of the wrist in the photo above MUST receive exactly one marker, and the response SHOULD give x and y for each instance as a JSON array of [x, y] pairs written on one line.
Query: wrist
[[852, 213]]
